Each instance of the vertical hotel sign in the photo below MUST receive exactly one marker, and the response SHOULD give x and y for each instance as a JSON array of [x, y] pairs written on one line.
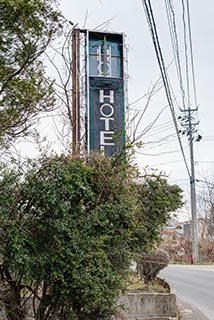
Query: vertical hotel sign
[[106, 92]]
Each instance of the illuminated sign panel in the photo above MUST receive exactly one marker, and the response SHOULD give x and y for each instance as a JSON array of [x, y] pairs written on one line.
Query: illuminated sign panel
[[106, 93]]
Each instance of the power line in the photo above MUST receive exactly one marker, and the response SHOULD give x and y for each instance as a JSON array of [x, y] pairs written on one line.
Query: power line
[[158, 154], [168, 162], [162, 140], [152, 26], [186, 52], [157, 130], [191, 54], [148, 148], [175, 44], [153, 30]]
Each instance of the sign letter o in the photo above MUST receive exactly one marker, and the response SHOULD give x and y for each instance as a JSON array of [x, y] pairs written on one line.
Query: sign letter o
[[102, 111]]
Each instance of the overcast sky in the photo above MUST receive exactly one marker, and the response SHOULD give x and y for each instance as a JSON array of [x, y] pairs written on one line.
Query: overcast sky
[[143, 70]]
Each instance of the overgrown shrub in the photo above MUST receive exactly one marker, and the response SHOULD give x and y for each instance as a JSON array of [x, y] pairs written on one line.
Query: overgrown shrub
[[66, 236], [69, 229], [149, 264]]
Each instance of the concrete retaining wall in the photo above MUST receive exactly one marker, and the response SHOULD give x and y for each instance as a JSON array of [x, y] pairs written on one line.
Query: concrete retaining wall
[[145, 306]]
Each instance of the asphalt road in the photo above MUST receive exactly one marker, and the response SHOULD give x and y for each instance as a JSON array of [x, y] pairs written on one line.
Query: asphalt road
[[194, 284]]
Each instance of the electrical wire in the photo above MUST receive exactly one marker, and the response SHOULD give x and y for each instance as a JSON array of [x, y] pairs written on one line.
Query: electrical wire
[[150, 125], [159, 153], [159, 129], [153, 30], [191, 54], [186, 53], [161, 140], [159, 145], [168, 162], [175, 45], [174, 39]]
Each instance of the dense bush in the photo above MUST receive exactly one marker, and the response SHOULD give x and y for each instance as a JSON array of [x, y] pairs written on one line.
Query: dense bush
[[69, 230]]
